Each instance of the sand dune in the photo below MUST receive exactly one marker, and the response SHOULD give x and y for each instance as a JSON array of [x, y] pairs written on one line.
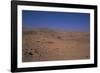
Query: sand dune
[[49, 45]]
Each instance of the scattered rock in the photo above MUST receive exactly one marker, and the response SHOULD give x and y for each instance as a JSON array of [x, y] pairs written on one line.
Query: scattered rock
[[30, 53]]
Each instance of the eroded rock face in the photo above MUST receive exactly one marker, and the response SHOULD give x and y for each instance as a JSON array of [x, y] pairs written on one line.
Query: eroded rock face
[[54, 45]]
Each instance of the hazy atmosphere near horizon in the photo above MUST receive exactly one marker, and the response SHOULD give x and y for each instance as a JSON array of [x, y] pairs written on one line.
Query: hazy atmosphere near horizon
[[50, 36]]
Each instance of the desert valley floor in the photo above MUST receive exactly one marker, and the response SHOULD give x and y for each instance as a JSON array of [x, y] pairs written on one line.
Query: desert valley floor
[[51, 45]]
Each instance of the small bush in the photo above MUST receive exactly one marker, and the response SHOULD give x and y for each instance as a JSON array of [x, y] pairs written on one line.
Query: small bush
[[59, 37]]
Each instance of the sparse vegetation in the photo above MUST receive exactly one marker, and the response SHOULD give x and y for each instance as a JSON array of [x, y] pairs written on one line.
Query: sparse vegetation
[[59, 37], [50, 42], [46, 44]]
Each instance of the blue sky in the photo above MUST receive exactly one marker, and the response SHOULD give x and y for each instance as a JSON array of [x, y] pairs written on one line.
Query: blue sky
[[56, 20]]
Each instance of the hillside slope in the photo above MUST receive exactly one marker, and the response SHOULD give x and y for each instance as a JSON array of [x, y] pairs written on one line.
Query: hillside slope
[[47, 45]]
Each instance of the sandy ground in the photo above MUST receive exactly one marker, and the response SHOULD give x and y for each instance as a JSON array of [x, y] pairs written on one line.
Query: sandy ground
[[50, 45]]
